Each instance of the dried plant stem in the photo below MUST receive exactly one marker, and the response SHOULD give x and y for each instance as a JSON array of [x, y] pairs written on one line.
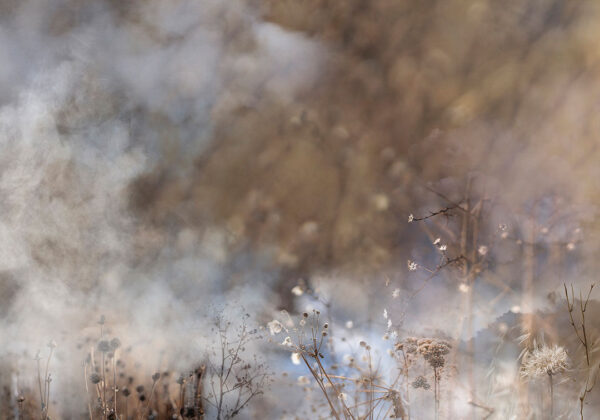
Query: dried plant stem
[[103, 388], [314, 373], [87, 390], [346, 410], [198, 407], [582, 337], [551, 396], [436, 388], [40, 385], [115, 383]]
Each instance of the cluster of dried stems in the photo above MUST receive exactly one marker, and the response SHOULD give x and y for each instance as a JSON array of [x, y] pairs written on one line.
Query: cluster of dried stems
[[361, 390], [234, 381], [45, 389], [111, 396], [222, 387], [584, 339]]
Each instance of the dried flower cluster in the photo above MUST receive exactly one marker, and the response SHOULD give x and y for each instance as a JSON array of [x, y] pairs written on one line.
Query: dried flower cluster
[[544, 360]]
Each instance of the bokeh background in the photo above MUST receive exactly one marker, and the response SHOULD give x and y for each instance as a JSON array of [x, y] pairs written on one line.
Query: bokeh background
[[163, 158]]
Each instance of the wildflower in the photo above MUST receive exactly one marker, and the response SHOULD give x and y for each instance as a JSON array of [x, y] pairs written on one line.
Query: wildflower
[[411, 218], [437, 241], [389, 323], [412, 266], [570, 246], [463, 287], [385, 313], [275, 327], [421, 382], [295, 358], [302, 323], [443, 247], [342, 396], [287, 341], [544, 360], [349, 324], [297, 291], [482, 250]]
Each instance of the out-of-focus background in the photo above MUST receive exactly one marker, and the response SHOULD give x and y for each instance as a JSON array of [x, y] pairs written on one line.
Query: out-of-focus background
[[159, 159]]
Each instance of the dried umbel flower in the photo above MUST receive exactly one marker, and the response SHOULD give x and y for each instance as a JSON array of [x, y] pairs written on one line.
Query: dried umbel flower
[[409, 345], [95, 378], [421, 382], [126, 392], [544, 360], [433, 350], [156, 377]]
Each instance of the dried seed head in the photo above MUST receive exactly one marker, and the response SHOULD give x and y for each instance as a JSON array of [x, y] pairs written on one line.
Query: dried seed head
[[95, 378], [104, 346], [115, 343], [421, 382], [545, 360]]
